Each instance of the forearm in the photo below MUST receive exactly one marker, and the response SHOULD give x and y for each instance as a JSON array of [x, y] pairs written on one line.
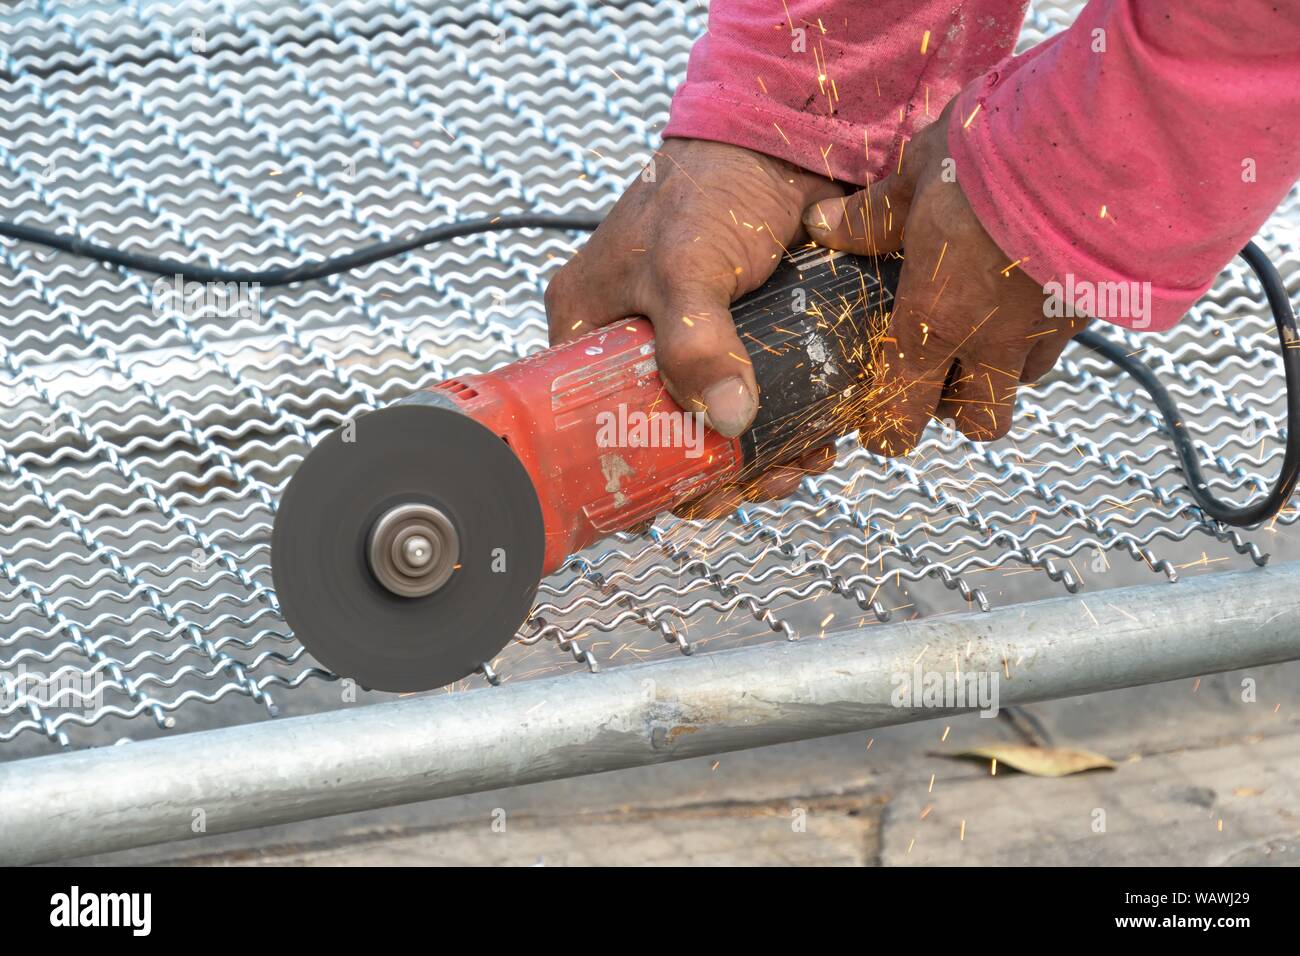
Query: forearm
[[1147, 143], [835, 86]]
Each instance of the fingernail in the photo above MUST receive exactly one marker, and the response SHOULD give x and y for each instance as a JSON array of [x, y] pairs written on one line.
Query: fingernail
[[729, 406], [823, 216]]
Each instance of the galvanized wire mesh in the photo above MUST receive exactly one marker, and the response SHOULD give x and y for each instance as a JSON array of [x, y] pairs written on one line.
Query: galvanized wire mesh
[[143, 444]]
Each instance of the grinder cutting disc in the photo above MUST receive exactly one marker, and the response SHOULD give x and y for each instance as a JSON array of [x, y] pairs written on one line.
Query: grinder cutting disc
[[407, 556]]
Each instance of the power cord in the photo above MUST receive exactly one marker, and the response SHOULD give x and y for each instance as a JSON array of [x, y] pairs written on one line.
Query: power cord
[[299, 273], [1216, 509]]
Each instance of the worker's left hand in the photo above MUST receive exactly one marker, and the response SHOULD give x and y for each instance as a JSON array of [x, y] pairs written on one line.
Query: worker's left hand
[[968, 326], [679, 247]]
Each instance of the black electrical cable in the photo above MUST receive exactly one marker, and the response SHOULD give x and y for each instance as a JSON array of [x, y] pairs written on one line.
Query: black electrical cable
[[307, 270], [1226, 511], [1219, 510]]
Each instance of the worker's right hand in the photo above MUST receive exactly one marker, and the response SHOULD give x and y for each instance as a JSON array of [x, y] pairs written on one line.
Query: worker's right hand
[[701, 226]]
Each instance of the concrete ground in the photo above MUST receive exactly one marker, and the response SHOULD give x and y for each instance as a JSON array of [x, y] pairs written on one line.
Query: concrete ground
[[1204, 775]]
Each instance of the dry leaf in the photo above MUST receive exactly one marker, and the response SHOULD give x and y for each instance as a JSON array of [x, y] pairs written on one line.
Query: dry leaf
[[1038, 761]]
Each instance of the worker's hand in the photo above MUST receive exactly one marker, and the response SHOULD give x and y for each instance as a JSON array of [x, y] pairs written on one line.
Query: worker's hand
[[968, 327], [708, 225]]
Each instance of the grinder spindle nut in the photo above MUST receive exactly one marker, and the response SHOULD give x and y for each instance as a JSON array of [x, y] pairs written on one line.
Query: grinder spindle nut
[[413, 549]]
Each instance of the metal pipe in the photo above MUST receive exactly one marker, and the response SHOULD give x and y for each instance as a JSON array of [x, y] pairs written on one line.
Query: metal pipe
[[436, 746]]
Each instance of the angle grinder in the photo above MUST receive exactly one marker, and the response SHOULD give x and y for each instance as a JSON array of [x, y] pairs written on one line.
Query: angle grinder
[[408, 546]]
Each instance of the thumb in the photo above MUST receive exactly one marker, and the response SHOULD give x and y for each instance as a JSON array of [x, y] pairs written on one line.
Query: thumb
[[868, 222], [702, 362]]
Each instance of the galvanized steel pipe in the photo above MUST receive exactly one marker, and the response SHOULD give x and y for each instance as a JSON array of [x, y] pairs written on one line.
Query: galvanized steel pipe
[[445, 744]]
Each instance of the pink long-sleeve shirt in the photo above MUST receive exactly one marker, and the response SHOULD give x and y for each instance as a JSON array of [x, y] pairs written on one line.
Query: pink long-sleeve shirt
[[1145, 144]]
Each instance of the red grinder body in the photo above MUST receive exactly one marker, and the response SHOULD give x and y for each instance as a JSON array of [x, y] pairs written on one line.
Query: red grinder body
[[606, 446], [571, 415]]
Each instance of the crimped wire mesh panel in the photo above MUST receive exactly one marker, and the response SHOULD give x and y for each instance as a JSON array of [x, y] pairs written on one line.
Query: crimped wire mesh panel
[[144, 439]]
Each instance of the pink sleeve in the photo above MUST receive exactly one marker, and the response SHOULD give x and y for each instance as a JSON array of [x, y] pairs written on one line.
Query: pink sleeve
[[831, 85], [1147, 143]]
